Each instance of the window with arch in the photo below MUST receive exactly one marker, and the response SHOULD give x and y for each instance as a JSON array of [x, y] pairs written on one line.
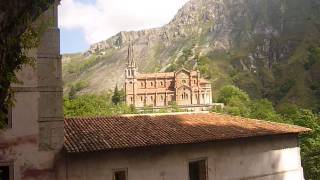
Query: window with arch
[[184, 81], [194, 81], [161, 83], [151, 83], [141, 98], [151, 98]]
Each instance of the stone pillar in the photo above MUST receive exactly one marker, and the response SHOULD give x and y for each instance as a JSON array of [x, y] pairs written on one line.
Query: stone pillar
[[50, 86]]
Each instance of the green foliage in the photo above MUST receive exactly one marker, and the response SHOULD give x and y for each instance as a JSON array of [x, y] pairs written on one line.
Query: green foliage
[[182, 61], [239, 103], [203, 65], [94, 105], [263, 109], [76, 88], [18, 35], [117, 97], [309, 143], [174, 107], [314, 57], [228, 93], [77, 66], [237, 107]]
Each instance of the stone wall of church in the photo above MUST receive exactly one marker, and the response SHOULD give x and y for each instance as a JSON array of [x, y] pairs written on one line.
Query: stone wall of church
[[185, 89]]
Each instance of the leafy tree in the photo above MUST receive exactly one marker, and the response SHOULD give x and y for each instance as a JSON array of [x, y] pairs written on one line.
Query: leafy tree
[[310, 142], [116, 98], [72, 93], [263, 109], [94, 105], [232, 92], [236, 106]]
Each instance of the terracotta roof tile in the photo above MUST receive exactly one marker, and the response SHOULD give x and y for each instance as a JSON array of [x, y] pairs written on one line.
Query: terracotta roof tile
[[122, 132]]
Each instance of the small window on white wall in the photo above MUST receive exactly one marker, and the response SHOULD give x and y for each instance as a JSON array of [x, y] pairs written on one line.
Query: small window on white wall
[[120, 174], [198, 170]]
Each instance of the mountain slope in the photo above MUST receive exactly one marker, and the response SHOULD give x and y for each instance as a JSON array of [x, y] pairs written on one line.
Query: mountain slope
[[270, 48]]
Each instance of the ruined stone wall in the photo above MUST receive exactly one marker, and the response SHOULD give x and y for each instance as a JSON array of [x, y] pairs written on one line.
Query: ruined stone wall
[[31, 145], [261, 158]]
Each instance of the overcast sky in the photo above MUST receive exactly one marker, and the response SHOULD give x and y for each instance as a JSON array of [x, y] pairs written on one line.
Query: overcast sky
[[83, 22]]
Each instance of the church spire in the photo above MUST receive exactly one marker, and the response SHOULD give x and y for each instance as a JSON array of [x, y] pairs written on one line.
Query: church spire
[[131, 69], [130, 58]]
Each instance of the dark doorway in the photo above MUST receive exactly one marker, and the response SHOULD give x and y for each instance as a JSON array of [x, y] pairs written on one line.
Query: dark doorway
[[120, 175], [4, 172], [198, 170]]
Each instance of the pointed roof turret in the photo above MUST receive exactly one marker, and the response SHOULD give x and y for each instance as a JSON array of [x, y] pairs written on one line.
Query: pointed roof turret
[[130, 58]]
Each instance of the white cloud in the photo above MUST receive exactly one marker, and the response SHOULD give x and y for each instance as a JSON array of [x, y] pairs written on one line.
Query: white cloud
[[104, 18]]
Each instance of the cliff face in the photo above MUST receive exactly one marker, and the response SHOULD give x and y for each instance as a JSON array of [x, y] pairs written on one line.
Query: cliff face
[[263, 46]]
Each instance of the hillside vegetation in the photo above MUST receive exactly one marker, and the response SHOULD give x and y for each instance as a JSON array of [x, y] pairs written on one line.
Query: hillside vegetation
[[269, 48]]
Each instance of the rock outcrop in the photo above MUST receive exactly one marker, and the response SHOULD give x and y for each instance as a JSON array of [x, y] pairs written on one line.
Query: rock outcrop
[[248, 43]]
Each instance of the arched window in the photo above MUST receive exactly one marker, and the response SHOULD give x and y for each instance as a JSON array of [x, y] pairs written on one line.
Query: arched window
[[151, 98], [131, 99], [184, 81], [195, 82], [141, 98], [161, 83], [151, 83]]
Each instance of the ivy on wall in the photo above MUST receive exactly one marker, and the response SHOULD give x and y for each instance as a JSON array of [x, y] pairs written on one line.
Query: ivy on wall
[[17, 35]]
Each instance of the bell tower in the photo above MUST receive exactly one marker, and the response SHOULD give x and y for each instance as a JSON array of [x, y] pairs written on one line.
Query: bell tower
[[130, 77], [131, 64]]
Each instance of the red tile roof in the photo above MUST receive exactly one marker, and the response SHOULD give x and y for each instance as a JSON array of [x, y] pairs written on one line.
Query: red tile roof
[[122, 132]]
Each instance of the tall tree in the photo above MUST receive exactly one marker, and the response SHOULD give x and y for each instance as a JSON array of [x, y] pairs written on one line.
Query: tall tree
[[116, 98]]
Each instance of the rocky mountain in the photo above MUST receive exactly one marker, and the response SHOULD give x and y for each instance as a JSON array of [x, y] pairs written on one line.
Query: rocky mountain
[[270, 48]]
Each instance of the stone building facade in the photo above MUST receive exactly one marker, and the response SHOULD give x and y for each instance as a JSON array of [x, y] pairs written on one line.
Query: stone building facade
[[31, 142], [185, 88]]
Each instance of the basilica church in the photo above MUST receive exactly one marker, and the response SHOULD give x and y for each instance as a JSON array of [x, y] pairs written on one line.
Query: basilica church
[[184, 88]]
